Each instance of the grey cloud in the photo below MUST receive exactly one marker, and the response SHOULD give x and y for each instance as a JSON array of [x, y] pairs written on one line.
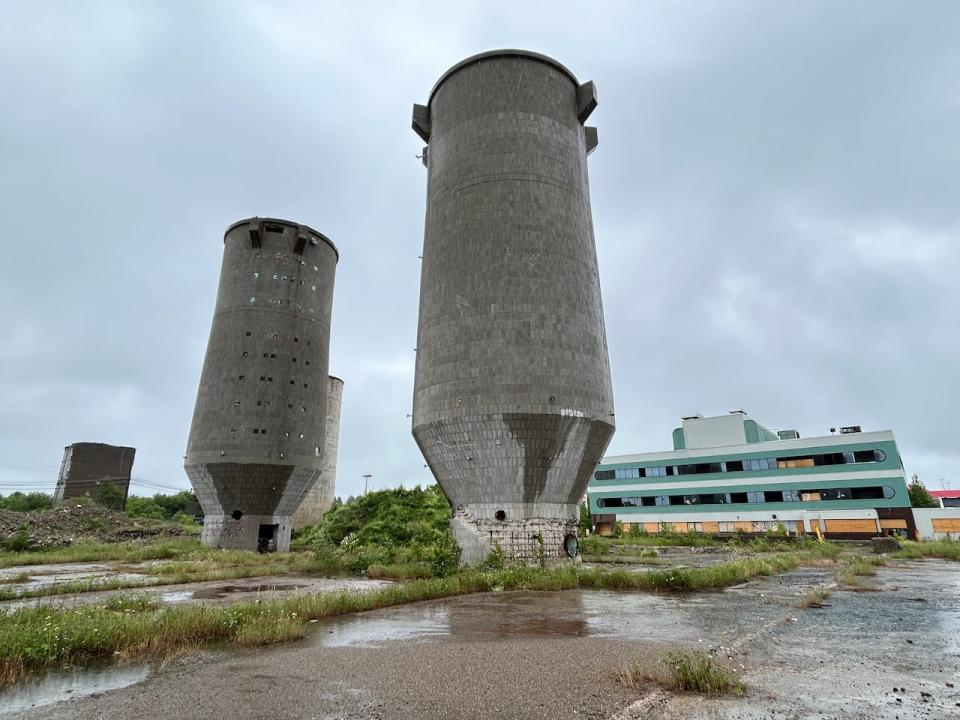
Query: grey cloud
[[775, 200]]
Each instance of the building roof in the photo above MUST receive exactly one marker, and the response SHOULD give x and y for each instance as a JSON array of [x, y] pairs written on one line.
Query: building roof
[[945, 493], [760, 447]]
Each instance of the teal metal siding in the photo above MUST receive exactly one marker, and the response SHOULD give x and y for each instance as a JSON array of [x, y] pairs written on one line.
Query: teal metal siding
[[899, 499], [891, 462]]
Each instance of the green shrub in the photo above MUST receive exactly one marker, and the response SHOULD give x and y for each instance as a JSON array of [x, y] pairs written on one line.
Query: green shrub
[[18, 542], [495, 560], [446, 556], [20, 502]]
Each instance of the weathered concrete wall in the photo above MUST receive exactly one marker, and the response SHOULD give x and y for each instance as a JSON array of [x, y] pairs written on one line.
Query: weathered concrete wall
[[513, 405], [87, 467], [257, 437], [937, 523], [320, 497]]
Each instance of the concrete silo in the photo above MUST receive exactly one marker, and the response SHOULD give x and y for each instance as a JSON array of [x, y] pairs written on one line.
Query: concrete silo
[[320, 497], [513, 405], [257, 437]]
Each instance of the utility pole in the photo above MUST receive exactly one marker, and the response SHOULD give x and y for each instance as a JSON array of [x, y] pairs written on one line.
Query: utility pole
[[366, 479]]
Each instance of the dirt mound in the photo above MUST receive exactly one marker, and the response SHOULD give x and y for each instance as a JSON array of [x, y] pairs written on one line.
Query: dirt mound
[[70, 522]]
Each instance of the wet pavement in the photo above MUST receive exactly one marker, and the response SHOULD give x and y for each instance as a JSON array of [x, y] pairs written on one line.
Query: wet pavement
[[216, 592], [890, 653]]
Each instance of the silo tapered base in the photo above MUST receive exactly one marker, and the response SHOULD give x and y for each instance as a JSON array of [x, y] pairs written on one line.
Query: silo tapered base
[[266, 533], [529, 541]]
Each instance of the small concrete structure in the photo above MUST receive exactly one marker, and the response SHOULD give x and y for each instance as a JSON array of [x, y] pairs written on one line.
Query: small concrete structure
[[320, 497], [885, 544], [89, 467], [257, 437], [513, 404]]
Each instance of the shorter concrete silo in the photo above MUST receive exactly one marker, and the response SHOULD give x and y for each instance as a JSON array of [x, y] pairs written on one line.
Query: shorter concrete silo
[[257, 436], [320, 498]]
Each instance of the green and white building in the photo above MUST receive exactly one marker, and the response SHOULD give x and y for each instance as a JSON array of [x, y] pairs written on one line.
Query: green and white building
[[730, 474]]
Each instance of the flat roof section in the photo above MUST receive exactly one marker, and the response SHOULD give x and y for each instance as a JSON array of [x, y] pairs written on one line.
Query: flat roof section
[[281, 221], [491, 54]]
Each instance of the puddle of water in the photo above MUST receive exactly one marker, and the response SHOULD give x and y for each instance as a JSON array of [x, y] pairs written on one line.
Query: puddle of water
[[573, 613], [221, 591], [69, 685], [176, 597]]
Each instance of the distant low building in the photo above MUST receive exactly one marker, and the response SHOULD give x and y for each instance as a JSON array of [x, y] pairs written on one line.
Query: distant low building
[[730, 474], [947, 498], [92, 469]]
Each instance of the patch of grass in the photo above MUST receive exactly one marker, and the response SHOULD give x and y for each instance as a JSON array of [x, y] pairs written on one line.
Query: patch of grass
[[852, 573], [686, 671], [400, 571], [814, 598], [15, 579], [273, 630], [38, 638], [193, 564], [90, 551], [713, 577], [946, 549], [132, 603], [641, 559]]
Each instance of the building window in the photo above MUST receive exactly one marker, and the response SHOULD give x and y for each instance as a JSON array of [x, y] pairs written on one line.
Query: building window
[[755, 496], [604, 474], [791, 496], [794, 462]]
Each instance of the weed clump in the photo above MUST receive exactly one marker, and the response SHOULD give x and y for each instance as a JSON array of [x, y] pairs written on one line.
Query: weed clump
[[814, 598], [947, 549], [687, 671]]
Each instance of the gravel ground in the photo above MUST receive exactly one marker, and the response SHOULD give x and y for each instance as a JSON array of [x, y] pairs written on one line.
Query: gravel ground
[[892, 653], [530, 677]]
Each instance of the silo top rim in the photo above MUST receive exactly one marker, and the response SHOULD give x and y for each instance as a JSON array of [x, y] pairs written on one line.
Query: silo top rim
[[489, 54], [288, 223]]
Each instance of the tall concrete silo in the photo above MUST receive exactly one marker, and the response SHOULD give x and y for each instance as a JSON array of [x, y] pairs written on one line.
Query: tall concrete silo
[[320, 497], [257, 438], [513, 405]]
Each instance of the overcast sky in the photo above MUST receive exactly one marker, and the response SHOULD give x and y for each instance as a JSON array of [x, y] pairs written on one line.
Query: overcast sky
[[776, 199]]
